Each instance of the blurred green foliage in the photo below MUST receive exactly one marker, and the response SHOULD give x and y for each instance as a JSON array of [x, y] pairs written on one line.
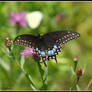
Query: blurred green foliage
[[77, 17]]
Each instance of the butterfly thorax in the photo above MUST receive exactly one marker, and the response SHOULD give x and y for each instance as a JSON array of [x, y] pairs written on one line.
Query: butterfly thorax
[[41, 42], [40, 37]]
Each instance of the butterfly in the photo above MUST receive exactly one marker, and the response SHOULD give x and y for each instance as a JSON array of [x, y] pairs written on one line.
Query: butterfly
[[46, 46]]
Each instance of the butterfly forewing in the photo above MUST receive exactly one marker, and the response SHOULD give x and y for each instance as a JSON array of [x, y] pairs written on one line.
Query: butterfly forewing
[[26, 40], [59, 38]]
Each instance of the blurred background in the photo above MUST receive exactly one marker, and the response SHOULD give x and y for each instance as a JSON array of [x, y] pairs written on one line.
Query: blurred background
[[73, 16]]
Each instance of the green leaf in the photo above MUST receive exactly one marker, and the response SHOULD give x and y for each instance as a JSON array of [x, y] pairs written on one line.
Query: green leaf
[[4, 65], [90, 82], [72, 78], [18, 80], [31, 82], [78, 88], [45, 75], [72, 70], [41, 70], [5, 51], [22, 61]]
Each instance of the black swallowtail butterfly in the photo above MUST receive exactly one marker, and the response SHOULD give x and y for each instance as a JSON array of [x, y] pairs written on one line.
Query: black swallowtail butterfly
[[48, 45]]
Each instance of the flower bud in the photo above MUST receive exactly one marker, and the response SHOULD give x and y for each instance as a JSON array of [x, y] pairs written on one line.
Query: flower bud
[[7, 42], [59, 17], [79, 72], [76, 58], [75, 62]]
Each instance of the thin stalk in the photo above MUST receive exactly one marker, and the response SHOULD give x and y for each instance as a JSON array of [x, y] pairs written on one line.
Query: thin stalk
[[43, 76], [75, 83]]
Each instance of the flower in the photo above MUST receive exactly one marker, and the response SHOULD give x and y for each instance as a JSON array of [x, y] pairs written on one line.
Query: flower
[[34, 18], [79, 72], [29, 51], [75, 58], [18, 18], [59, 16]]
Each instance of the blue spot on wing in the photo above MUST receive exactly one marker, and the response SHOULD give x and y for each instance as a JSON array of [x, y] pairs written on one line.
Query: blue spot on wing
[[43, 54], [39, 51], [50, 53], [36, 49], [54, 50], [55, 46]]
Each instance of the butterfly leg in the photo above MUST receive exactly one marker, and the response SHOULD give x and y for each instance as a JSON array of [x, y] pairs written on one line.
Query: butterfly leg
[[44, 61], [55, 59]]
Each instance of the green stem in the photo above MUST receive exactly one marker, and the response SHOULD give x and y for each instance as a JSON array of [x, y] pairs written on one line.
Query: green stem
[[17, 28], [75, 65], [9, 48], [72, 82], [75, 83], [90, 82], [44, 75], [27, 76]]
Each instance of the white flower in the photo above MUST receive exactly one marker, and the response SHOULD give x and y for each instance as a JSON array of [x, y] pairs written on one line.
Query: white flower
[[34, 18]]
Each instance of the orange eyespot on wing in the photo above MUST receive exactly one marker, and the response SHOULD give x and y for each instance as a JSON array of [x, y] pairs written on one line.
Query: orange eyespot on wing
[[46, 55]]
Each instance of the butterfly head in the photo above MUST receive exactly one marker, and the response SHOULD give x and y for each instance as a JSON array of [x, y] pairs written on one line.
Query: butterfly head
[[40, 37]]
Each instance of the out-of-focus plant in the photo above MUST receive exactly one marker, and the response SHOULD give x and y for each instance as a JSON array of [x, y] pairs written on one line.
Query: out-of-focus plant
[[75, 74], [75, 62], [24, 19], [18, 19], [8, 43], [59, 17], [78, 73], [27, 52]]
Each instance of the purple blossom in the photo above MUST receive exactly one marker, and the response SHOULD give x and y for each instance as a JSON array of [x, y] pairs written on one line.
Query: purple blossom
[[29, 51], [59, 16], [18, 18]]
